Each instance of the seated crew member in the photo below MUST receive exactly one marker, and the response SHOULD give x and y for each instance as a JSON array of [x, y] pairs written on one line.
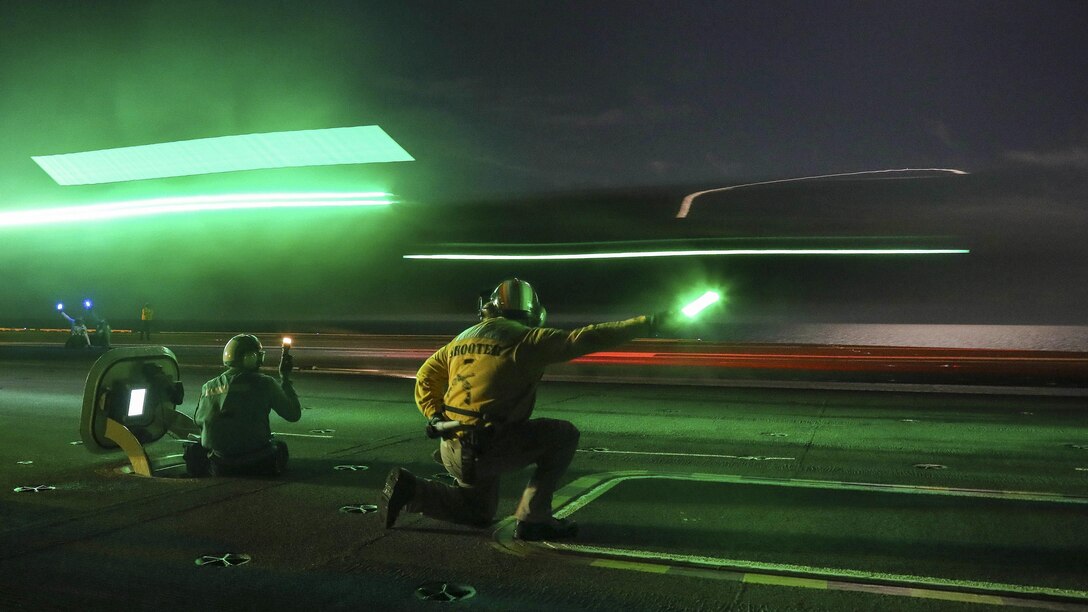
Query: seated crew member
[[233, 410], [479, 391]]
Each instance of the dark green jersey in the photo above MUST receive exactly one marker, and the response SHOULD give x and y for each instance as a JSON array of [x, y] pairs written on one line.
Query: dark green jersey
[[233, 410]]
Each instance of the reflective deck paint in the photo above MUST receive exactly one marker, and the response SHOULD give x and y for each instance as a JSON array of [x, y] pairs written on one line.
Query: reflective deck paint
[[587, 488]]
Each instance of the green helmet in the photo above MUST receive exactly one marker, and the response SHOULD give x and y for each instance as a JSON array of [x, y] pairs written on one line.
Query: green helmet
[[243, 351], [515, 299]]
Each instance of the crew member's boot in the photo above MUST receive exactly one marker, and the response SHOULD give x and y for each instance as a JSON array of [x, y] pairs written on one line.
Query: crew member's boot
[[556, 529], [400, 487]]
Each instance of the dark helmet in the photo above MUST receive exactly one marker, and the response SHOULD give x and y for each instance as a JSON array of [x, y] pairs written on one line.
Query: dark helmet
[[515, 299], [243, 351]]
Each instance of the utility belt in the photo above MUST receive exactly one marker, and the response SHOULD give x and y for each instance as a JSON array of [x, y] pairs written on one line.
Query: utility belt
[[474, 438], [475, 434]]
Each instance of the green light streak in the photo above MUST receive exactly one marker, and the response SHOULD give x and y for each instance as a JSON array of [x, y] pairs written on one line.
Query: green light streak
[[350, 145], [188, 204], [688, 253], [700, 304]]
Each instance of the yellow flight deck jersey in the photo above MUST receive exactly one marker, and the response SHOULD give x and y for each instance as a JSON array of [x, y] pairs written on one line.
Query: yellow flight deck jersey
[[493, 368]]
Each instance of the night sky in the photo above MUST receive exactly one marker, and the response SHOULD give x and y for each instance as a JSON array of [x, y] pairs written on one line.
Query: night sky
[[532, 106]]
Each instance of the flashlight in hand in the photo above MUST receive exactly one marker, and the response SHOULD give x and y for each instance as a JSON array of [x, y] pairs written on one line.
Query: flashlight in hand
[[287, 362], [87, 304], [60, 306]]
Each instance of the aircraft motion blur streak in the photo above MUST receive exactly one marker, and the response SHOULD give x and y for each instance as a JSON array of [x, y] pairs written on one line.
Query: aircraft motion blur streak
[[688, 253], [159, 206], [685, 205], [661, 360]]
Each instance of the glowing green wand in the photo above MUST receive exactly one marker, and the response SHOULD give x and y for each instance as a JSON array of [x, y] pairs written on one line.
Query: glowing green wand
[[700, 304]]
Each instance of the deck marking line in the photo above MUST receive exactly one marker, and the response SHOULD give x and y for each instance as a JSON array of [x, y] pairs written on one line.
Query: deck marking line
[[793, 575], [663, 454]]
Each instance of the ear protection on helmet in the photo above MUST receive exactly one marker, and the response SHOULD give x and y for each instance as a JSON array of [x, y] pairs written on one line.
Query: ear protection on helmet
[[252, 361], [484, 307]]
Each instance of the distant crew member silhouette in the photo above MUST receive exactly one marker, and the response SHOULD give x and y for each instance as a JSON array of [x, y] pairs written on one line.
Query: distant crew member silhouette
[[78, 337], [147, 314], [102, 333]]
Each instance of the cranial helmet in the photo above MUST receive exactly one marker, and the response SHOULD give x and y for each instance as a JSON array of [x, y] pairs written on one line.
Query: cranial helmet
[[243, 351], [515, 299]]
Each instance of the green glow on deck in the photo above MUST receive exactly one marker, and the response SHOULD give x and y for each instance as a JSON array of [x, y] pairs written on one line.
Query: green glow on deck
[[188, 204], [351, 145], [688, 253]]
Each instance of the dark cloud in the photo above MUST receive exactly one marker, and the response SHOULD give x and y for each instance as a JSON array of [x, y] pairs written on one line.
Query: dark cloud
[[1073, 157], [940, 131]]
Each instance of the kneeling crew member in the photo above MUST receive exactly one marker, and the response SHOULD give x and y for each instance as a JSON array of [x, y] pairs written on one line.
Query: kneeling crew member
[[232, 413], [478, 394]]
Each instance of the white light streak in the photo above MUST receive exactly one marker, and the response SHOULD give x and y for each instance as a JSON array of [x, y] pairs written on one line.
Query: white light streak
[[685, 205], [694, 253]]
